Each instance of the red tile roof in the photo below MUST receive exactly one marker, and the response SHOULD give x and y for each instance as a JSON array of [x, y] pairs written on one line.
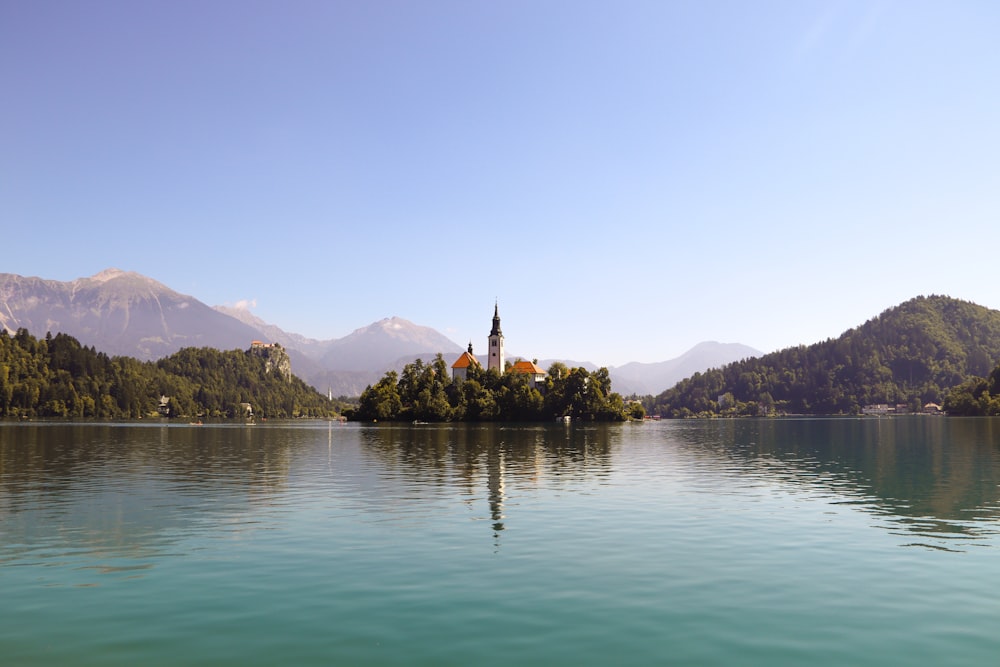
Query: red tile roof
[[465, 361], [527, 368]]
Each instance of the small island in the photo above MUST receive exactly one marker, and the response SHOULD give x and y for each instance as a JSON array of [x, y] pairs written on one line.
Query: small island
[[503, 391]]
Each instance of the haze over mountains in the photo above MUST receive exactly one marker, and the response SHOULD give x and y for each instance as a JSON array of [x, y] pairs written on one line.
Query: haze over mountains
[[125, 313]]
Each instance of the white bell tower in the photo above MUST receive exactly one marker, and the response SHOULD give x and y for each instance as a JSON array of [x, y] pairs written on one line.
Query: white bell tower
[[495, 343]]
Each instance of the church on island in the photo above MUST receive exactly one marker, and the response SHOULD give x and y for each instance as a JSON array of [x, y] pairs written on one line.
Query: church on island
[[460, 369]]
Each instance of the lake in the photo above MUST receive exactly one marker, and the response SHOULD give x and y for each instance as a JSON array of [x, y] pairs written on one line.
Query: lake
[[754, 542]]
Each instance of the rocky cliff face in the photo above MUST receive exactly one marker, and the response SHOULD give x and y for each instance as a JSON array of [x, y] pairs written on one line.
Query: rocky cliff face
[[276, 360]]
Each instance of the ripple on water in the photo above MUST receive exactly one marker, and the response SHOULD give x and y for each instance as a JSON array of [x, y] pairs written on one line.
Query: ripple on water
[[716, 543]]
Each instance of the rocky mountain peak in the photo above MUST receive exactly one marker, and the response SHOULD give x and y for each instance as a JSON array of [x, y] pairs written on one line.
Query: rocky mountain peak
[[123, 284], [397, 326], [106, 275]]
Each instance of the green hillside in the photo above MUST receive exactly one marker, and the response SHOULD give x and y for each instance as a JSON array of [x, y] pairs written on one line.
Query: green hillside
[[912, 354], [57, 377]]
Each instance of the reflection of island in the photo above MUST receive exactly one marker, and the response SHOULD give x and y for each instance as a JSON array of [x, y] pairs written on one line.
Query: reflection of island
[[501, 457], [929, 476]]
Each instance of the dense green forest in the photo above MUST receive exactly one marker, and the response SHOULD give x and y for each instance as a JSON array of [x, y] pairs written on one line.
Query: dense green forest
[[426, 392], [976, 397], [912, 354], [57, 377]]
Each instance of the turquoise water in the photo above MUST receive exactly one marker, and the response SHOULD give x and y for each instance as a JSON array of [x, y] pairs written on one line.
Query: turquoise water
[[767, 542]]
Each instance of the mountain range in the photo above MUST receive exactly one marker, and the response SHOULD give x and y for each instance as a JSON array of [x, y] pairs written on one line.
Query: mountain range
[[126, 313]]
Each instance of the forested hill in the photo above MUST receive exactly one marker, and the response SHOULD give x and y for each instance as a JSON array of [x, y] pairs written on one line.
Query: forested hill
[[57, 377], [913, 354]]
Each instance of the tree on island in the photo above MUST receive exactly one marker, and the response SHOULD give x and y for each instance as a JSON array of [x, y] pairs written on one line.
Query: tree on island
[[426, 392]]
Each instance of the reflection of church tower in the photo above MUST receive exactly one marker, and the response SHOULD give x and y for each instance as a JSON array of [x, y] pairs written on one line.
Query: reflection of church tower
[[494, 479], [496, 343]]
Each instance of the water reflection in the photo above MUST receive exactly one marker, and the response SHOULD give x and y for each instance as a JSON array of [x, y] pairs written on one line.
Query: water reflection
[[483, 460], [117, 497], [927, 477]]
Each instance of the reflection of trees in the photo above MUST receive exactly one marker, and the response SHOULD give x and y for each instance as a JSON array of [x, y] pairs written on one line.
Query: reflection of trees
[[120, 490], [58, 456], [930, 475], [493, 458]]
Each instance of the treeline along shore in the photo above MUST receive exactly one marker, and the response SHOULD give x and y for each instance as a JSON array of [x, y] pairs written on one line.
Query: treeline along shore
[[57, 377]]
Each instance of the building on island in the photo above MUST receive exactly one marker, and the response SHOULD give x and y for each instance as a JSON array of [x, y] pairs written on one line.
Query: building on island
[[495, 342], [460, 369], [496, 359], [536, 376]]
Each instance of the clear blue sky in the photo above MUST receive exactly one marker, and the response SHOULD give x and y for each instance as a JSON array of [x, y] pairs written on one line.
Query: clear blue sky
[[627, 178]]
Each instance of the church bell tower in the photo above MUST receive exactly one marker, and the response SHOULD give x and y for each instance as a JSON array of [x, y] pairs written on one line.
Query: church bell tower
[[495, 343]]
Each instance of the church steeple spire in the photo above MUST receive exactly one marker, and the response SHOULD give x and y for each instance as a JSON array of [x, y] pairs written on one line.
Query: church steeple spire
[[495, 342], [496, 321]]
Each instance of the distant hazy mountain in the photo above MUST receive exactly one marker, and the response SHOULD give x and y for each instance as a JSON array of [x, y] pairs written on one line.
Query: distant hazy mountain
[[642, 379], [391, 338], [652, 378], [350, 364], [118, 312]]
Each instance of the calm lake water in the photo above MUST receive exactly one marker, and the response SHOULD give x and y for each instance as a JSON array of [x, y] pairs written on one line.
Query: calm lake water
[[768, 542]]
